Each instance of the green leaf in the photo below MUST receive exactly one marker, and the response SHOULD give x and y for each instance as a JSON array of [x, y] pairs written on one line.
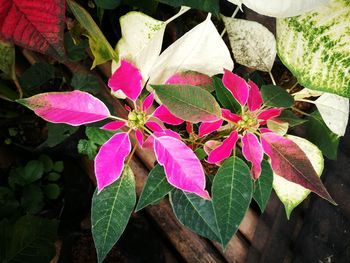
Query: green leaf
[[7, 59], [263, 186], [57, 133], [32, 199], [187, 102], [99, 45], [318, 133], [47, 162], [156, 187], [88, 148], [211, 6], [53, 176], [196, 213], [33, 171], [35, 76], [201, 154], [110, 212], [278, 127], [148, 7], [315, 47], [232, 192], [16, 177], [288, 116], [291, 194], [224, 96], [97, 135], [52, 191], [108, 4], [27, 242], [6, 92], [58, 166], [86, 82], [276, 96], [76, 52]]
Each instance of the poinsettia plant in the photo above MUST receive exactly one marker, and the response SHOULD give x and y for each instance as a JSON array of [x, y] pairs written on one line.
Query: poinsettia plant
[[187, 106]]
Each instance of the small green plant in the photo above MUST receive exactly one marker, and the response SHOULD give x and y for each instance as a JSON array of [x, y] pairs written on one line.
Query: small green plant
[[29, 186]]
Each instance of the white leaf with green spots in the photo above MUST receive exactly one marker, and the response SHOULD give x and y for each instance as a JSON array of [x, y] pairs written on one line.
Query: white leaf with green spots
[[283, 8], [292, 194], [316, 47], [252, 44], [334, 110]]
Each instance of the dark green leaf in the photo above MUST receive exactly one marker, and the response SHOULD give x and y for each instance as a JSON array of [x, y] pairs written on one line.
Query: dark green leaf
[[35, 76], [232, 192], [77, 51], [148, 7], [88, 148], [97, 135], [288, 116], [8, 208], [57, 133], [108, 4], [225, 97], [196, 213], [48, 163], [7, 59], [110, 212], [33, 171], [31, 240], [318, 133], [32, 199], [263, 185], [58, 166], [7, 92], [16, 177], [156, 187], [99, 46], [85, 82], [201, 154], [276, 96], [211, 6], [52, 191], [187, 102], [255, 77], [53, 176]]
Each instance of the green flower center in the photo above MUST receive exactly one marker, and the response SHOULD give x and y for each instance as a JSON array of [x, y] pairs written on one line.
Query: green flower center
[[136, 119], [249, 122]]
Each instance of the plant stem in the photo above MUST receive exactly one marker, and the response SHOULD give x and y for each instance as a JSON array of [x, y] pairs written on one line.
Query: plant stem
[[233, 15], [300, 111], [308, 101], [18, 87], [132, 153], [272, 78], [117, 118]]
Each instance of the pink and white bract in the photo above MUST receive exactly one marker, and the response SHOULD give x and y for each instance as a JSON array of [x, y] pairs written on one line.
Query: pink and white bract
[[182, 168], [246, 124]]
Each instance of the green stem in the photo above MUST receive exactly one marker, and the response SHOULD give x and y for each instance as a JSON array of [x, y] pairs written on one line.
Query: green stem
[[233, 15], [300, 111], [117, 118]]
